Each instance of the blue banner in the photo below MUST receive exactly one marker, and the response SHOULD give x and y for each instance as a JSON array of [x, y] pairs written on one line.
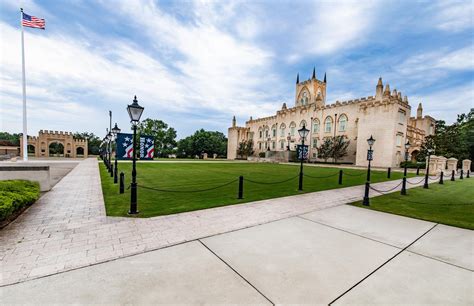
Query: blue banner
[[147, 147], [302, 152], [124, 146]]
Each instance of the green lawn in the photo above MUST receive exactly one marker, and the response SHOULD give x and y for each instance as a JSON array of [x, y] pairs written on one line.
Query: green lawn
[[197, 176], [451, 203]]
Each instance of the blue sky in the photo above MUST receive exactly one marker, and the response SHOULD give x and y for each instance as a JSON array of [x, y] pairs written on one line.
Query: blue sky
[[195, 64]]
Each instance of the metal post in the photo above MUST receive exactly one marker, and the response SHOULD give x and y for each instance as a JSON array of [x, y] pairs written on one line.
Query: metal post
[[340, 177], [418, 170], [300, 183], [404, 182], [111, 171], [452, 176], [441, 178], [122, 182], [133, 186], [115, 170], [241, 187], [367, 186], [462, 174], [467, 174], [389, 170], [425, 185]]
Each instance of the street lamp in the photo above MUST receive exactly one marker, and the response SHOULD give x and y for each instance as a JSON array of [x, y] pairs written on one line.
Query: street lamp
[[425, 185], [404, 182], [288, 138], [268, 146], [115, 131], [110, 138], [303, 133], [135, 112], [370, 156]]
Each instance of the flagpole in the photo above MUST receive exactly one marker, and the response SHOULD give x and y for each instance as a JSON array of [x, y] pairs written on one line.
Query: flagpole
[[25, 135]]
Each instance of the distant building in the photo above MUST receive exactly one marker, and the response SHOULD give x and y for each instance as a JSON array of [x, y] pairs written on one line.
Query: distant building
[[386, 116], [55, 144]]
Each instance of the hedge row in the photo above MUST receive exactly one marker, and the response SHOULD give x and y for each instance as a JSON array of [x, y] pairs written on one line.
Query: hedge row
[[415, 165], [16, 194]]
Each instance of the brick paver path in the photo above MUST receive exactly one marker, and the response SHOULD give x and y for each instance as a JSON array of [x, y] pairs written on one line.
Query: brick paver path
[[67, 228]]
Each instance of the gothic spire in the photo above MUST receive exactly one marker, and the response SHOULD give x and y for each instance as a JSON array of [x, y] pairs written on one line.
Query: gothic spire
[[298, 78], [314, 72], [325, 77]]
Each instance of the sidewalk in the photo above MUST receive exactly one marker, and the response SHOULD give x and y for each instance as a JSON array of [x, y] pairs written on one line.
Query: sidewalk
[[68, 229]]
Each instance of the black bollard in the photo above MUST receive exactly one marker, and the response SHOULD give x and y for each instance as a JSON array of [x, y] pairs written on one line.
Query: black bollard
[[111, 171], [452, 176], [467, 174], [340, 177], [462, 174], [122, 184], [418, 170], [441, 177], [388, 172], [404, 186], [241, 187]]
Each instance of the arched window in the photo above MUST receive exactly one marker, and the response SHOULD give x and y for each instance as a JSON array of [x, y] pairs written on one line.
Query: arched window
[[315, 126], [328, 124], [274, 130], [304, 97], [282, 130], [260, 132], [303, 123], [342, 123], [292, 128]]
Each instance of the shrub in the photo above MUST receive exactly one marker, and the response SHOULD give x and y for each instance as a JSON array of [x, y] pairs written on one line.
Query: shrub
[[261, 154], [16, 194], [411, 164]]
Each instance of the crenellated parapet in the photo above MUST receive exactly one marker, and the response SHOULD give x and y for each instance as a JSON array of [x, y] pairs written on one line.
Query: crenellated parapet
[[68, 145]]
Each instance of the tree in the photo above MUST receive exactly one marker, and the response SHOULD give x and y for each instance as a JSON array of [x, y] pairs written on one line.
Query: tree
[[10, 139], [245, 149], [93, 141], [325, 150], [339, 147], [203, 142], [165, 137]]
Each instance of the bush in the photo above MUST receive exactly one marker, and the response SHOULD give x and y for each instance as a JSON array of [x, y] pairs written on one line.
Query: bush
[[16, 194], [411, 164], [261, 154]]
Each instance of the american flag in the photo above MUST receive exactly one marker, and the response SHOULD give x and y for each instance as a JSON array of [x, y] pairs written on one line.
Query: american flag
[[32, 22], [128, 145]]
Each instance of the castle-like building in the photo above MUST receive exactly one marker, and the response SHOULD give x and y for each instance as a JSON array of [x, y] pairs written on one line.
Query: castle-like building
[[39, 146], [386, 116]]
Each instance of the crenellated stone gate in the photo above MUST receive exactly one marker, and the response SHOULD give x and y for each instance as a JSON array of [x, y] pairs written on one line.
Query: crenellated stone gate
[[55, 144]]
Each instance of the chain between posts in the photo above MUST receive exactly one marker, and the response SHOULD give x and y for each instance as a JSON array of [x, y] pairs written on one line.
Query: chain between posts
[[271, 183], [190, 191]]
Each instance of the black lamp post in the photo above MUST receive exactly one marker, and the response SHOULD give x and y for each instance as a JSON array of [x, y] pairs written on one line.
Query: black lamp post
[[404, 182], [268, 143], [303, 133], [110, 139], [370, 156], [115, 131], [425, 185], [135, 112], [288, 138]]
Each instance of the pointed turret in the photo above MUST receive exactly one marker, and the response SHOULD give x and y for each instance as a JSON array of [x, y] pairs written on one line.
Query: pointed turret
[[283, 107], [314, 73], [298, 78], [395, 93], [386, 92], [325, 77], [234, 122], [399, 96], [405, 99], [379, 90], [419, 112]]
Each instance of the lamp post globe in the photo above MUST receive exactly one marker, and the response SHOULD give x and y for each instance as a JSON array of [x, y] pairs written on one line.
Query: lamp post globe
[[303, 133], [404, 182], [370, 154], [115, 131], [135, 112]]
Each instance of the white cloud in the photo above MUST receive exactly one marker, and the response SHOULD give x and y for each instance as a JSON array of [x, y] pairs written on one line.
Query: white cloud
[[453, 16]]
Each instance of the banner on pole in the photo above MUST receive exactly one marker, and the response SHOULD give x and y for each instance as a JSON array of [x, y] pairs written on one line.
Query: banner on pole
[[147, 147], [302, 152], [124, 146]]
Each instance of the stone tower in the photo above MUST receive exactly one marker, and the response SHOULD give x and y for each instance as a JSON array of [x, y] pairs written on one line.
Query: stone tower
[[419, 111], [379, 90], [311, 91]]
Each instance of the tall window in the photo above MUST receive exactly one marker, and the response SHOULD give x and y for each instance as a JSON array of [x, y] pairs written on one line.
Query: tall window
[[282, 130], [303, 123], [401, 116], [399, 140], [315, 143], [292, 129], [260, 133], [274, 131], [316, 126], [328, 124], [260, 145], [273, 145], [342, 123]]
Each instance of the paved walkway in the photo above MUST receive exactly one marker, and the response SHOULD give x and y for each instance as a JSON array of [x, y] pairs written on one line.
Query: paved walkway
[[67, 228]]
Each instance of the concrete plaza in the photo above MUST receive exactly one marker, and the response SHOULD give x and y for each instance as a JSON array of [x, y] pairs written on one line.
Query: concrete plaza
[[309, 248]]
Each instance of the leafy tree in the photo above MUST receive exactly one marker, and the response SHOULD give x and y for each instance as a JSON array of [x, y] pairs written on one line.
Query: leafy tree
[[325, 150], [10, 139], [339, 147], [203, 142], [165, 136], [93, 141], [245, 149]]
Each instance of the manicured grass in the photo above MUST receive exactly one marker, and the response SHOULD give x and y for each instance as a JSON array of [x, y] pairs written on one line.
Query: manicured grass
[[197, 176], [15, 195], [451, 203]]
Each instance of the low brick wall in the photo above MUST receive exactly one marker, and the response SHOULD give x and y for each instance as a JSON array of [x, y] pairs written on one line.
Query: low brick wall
[[40, 174]]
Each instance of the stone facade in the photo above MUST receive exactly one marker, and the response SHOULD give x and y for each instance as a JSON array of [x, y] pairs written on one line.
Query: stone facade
[[386, 116], [40, 144]]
